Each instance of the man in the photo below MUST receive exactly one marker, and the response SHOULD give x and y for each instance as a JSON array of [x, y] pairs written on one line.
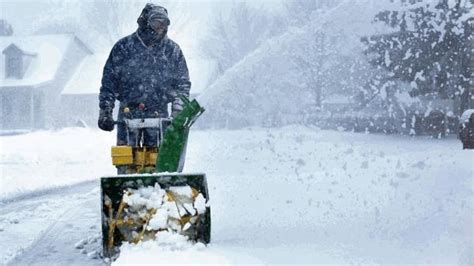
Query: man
[[145, 71]]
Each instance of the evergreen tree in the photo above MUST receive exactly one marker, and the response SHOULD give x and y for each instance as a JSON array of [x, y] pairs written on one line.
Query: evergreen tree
[[431, 48]]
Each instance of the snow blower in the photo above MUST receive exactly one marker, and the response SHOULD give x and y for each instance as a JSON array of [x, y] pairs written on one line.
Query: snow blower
[[150, 194]]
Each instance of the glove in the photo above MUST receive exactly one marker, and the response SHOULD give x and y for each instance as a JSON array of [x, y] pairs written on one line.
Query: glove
[[106, 121], [176, 107], [174, 113]]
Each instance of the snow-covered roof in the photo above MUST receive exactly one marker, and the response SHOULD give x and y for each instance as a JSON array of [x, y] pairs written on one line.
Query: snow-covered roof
[[13, 46], [49, 50], [87, 78]]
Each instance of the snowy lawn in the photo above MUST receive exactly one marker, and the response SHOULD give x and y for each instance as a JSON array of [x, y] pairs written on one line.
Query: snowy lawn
[[46, 159], [300, 195], [290, 195]]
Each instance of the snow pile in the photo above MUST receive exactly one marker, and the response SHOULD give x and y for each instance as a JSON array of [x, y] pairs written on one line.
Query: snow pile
[[168, 249], [163, 210], [165, 241]]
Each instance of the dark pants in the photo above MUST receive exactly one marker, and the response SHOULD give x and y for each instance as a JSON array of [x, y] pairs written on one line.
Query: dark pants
[[136, 138]]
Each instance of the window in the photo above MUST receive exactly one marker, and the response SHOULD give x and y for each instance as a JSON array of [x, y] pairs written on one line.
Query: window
[[13, 66]]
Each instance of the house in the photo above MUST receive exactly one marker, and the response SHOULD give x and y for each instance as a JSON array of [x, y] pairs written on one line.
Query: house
[[80, 97], [34, 71]]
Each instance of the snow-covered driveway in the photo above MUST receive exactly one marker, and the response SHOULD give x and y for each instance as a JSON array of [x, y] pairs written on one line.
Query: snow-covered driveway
[[289, 195], [49, 228]]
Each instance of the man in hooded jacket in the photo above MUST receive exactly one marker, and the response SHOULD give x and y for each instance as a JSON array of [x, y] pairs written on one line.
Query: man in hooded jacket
[[145, 71]]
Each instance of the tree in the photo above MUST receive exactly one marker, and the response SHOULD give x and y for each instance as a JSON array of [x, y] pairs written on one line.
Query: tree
[[299, 12], [5, 28], [241, 30], [311, 61], [320, 58], [100, 23], [431, 47], [234, 35]]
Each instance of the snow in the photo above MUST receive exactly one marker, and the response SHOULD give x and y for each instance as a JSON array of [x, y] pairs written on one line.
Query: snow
[[49, 159], [34, 222], [408, 54], [419, 76], [466, 115], [87, 79], [249, 93], [469, 15], [169, 249], [387, 59], [200, 204], [287, 195], [151, 197], [154, 204]]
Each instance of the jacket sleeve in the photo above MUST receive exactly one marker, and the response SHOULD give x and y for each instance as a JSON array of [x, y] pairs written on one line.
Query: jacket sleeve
[[110, 80], [182, 82]]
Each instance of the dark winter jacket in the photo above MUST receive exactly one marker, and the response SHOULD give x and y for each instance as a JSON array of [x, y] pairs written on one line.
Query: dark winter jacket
[[145, 68]]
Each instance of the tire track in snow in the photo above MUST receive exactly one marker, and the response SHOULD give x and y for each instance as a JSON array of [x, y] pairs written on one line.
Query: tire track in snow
[[43, 193], [77, 216]]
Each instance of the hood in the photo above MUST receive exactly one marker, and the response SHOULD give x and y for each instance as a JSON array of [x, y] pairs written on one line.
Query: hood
[[146, 33]]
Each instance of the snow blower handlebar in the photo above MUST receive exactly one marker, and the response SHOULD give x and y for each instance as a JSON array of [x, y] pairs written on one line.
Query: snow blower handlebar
[[173, 134]]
